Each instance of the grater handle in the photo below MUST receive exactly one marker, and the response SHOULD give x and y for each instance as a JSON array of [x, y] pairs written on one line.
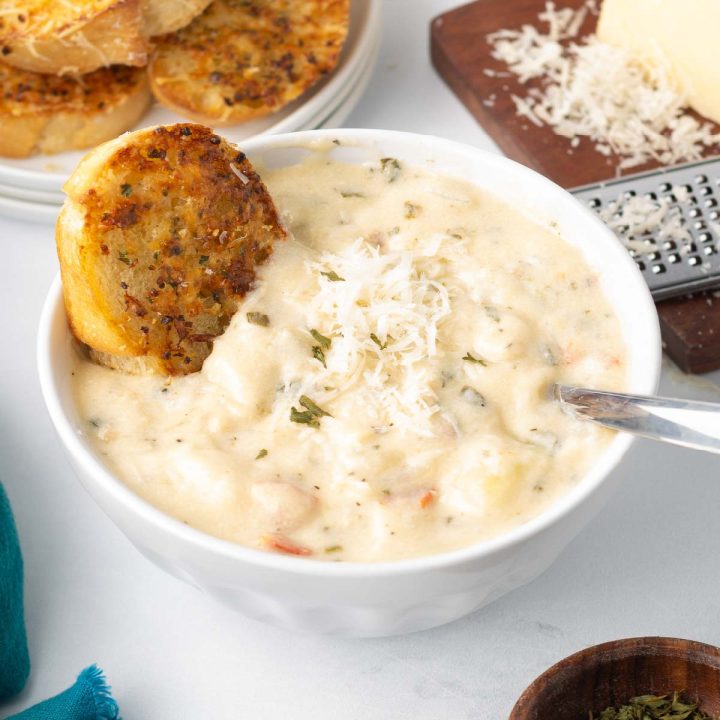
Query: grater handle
[[688, 423]]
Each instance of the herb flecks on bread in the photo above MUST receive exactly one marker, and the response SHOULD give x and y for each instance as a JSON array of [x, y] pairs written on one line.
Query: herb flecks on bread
[[158, 242], [242, 59]]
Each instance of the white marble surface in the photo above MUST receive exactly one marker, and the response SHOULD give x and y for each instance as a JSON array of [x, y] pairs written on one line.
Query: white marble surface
[[649, 563]]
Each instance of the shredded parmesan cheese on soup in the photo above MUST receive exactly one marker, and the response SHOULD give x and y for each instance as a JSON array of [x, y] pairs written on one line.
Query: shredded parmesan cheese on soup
[[384, 318]]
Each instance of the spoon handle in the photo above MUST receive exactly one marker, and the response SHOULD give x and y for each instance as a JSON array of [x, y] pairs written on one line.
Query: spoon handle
[[688, 423]]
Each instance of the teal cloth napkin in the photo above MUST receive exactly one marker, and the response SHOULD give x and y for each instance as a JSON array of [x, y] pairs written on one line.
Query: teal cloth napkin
[[89, 698], [14, 659]]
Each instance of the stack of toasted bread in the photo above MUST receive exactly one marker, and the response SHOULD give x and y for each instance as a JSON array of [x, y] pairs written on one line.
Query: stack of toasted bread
[[73, 74]]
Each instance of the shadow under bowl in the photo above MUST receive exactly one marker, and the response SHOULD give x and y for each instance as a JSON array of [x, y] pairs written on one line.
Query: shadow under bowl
[[608, 675]]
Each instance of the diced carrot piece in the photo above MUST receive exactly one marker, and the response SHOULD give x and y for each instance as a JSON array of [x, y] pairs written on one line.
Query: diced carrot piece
[[283, 545], [571, 354], [427, 499]]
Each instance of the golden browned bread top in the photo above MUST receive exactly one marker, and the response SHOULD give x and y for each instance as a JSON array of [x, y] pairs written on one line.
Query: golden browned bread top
[[169, 229], [28, 93], [44, 18], [245, 58]]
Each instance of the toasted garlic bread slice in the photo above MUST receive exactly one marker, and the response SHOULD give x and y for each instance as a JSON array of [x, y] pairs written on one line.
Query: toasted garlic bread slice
[[158, 241], [49, 114], [75, 37], [242, 59], [51, 36]]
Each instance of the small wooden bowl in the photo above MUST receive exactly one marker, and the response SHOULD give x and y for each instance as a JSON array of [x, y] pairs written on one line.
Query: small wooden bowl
[[609, 675]]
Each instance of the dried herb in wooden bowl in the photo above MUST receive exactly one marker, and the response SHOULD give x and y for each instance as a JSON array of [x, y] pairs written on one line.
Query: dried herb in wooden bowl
[[654, 707]]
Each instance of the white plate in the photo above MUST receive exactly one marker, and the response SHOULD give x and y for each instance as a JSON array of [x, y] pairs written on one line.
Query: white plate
[[27, 205], [345, 101], [352, 93], [41, 196], [28, 211], [49, 172], [43, 206], [337, 117]]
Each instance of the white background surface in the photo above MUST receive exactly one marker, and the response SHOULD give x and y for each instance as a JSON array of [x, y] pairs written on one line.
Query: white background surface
[[648, 564]]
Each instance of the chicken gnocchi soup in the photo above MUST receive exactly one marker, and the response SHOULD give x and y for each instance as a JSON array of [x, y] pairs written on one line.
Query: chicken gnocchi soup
[[382, 392]]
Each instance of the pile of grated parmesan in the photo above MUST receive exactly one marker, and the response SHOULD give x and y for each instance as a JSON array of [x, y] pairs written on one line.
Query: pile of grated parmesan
[[384, 320], [590, 89]]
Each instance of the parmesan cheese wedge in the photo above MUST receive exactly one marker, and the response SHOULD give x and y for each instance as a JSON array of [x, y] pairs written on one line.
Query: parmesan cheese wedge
[[681, 34]]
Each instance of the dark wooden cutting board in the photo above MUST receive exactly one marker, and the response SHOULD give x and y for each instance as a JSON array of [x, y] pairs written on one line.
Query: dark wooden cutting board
[[461, 54]]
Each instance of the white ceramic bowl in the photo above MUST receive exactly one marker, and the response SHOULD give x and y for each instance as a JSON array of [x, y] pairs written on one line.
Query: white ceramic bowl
[[354, 599]]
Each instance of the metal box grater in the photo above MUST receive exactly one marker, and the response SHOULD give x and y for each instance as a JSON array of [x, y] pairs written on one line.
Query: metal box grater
[[672, 268]]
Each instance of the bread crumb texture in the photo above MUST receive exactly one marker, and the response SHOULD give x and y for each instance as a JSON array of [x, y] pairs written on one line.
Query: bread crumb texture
[[50, 114], [27, 93], [242, 59]]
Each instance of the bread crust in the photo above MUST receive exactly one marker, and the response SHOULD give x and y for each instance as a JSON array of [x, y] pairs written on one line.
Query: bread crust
[[61, 39], [166, 16], [47, 114], [76, 38], [158, 241], [243, 59]]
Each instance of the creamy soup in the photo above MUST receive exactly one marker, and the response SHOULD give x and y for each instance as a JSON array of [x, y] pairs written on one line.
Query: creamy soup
[[382, 393]]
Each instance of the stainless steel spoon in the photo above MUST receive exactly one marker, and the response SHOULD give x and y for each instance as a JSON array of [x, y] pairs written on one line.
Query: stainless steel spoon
[[688, 423]]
